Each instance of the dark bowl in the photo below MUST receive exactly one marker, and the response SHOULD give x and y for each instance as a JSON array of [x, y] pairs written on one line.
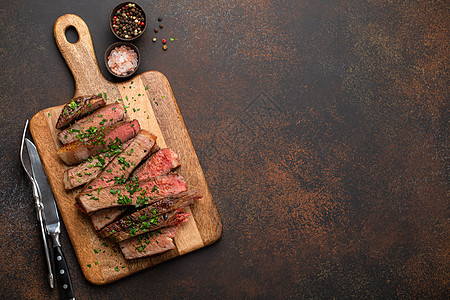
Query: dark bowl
[[111, 15], [118, 44]]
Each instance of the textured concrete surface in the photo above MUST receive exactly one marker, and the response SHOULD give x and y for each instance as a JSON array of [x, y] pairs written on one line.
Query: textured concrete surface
[[321, 126]]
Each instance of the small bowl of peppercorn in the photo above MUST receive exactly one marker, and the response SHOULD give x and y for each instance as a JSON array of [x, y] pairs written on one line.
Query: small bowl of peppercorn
[[127, 21]]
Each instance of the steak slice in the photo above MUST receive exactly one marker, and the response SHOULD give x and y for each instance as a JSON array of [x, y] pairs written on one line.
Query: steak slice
[[77, 108], [151, 243], [134, 193], [76, 152], [151, 212], [166, 220], [120, 167], [86, 171], [85, 128], [103, 217], [162, 162]]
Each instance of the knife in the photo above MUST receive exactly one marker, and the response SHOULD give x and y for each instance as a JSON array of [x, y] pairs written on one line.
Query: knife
[[52, 223]]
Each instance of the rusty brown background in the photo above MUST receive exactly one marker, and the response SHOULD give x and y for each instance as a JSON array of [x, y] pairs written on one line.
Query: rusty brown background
[[321, 126]]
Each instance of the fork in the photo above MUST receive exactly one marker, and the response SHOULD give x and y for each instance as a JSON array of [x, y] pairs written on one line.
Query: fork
[[26, 163]]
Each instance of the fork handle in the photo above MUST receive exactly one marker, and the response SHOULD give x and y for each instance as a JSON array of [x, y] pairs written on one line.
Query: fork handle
[[40, 218]]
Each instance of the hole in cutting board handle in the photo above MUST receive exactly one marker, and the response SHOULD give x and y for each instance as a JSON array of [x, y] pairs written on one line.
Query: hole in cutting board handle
[[71, 35]]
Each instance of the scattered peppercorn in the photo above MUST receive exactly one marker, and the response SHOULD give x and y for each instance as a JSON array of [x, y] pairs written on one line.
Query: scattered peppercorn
[[165, 47], [159, 19], [161, 26], [164, 41], [154, 39], [128, 21], [156, 30]]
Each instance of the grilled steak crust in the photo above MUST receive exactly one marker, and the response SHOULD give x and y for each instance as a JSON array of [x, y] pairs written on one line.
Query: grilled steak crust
[[150, 243], [77, 108], [86, 127], [162, 221], [120, 167], [86, 171], [162, 162], [76, 152], [149, 213], [134, 193]]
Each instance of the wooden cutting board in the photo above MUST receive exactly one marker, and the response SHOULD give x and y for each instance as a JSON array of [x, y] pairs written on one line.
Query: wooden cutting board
[[152, 103]]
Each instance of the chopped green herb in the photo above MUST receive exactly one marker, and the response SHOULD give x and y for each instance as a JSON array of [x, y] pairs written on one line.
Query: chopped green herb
[[73, 104], [146, 87]]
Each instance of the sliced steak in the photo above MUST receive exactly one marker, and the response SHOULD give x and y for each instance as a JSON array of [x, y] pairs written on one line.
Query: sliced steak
[[166, 220], [76, 152], [85, 128], [134, 193], [86, 171], [106, 216], [151, 212], [77, 108], [162, 162], [120, 167], [150, 243]]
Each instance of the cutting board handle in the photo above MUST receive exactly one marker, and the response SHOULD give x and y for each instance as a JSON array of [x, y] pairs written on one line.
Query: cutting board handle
[[79, 56]]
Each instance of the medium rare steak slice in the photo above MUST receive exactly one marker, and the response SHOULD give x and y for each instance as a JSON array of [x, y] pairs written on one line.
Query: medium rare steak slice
[[86, 171], [120, 167], [134, 193], [85, 128], [166, 220], [77, 108], [162, 162], [151, 243], [76, 152], [151, 212]]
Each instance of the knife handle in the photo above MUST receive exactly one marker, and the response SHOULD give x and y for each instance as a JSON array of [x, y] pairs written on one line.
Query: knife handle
[[62, 274]]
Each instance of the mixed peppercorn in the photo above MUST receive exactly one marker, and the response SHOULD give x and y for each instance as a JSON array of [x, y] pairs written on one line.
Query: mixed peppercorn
[[128, 21]]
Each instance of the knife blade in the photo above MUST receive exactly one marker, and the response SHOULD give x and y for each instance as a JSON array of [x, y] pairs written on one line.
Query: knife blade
[[52, 223]]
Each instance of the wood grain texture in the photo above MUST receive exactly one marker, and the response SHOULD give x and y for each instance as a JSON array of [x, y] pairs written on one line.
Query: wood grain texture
[[150, 100]]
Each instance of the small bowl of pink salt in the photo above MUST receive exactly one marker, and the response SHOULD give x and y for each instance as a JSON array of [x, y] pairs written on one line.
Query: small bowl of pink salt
[[122, 59]]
